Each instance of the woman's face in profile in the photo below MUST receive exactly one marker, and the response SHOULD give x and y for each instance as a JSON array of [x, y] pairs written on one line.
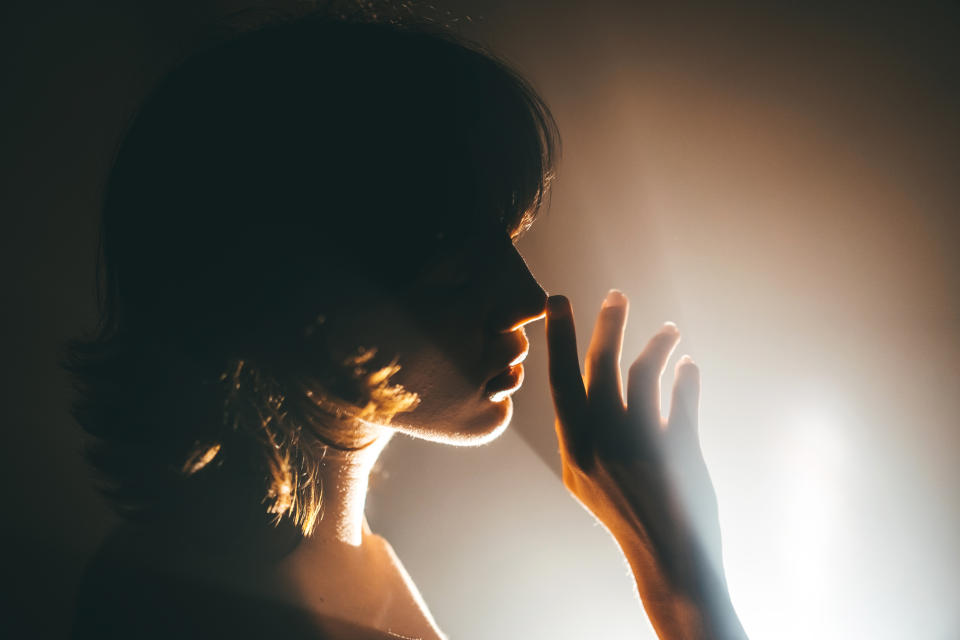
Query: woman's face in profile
[[456, 330]]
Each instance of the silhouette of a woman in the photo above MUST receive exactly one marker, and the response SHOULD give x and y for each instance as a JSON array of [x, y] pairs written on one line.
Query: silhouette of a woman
[[308, 246]]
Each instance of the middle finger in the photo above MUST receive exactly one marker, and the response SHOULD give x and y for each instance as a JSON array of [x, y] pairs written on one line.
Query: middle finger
[[602, 362], [643, 393]]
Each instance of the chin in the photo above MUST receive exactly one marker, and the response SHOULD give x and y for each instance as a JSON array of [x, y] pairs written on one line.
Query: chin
[[480, 428]]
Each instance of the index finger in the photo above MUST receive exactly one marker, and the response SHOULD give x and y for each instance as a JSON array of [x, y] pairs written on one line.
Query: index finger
[[566, 383]]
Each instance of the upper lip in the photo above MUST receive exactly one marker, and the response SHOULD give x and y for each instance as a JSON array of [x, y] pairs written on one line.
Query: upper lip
[[513, 352]]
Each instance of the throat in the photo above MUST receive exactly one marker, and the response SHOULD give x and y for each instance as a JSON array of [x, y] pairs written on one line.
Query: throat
[[344, 477], [342, 570]]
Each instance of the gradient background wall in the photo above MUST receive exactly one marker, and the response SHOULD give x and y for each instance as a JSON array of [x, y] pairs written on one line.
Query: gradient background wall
[[780, 180]]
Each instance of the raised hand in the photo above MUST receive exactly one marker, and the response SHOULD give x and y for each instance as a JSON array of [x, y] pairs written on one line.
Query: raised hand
[[642, 476]]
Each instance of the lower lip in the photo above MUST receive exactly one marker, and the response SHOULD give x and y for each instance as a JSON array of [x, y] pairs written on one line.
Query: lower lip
[[505, 383]]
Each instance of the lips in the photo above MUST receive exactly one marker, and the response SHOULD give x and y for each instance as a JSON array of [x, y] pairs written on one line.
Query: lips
[[505, 382], [512, 352], [508, 372]]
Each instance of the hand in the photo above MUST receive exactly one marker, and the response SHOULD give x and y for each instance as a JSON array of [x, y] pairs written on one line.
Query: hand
[[643, 477]]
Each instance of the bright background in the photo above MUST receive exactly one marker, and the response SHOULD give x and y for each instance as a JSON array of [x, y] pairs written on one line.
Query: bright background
[[780, 181]]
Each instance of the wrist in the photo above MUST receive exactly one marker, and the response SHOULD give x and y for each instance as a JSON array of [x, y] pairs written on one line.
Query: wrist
[[681, 617], [685, 598]]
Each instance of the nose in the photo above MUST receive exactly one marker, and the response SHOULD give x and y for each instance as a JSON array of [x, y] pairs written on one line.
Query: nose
[[521, 299]]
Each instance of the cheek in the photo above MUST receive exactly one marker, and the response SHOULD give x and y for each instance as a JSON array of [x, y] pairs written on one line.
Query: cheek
[[453, 408], [443, 372], [440, 351], [441, 354]]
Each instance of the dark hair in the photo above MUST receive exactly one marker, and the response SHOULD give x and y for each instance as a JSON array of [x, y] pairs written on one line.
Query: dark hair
[[261, 171]]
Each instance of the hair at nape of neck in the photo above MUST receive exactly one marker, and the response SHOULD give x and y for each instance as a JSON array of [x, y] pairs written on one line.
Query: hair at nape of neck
[[294, 426]]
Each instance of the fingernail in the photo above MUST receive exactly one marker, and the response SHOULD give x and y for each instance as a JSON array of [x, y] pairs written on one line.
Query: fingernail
[[615, 298], [670, 327], [685, 359]]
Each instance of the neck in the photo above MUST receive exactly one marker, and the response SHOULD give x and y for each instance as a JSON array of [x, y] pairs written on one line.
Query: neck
[[344, 476], [341, 569]]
